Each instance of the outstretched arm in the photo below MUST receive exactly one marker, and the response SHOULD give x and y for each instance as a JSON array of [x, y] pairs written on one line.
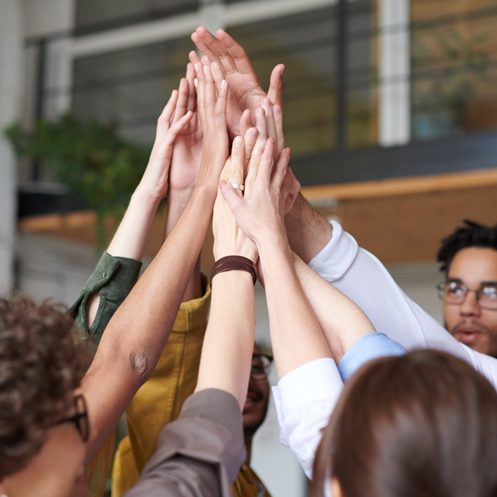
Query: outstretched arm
[[118, 269], [139, 330], [200, 453]]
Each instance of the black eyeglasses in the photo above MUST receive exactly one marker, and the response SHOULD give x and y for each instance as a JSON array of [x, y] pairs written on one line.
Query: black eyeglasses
[[79, 418], [261, 364], [454, 291]]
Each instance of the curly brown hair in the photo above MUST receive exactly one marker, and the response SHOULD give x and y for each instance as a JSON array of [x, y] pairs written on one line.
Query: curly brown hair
[[42, 361]]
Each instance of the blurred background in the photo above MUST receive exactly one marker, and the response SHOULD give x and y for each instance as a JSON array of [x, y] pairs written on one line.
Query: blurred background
[[390, 108]]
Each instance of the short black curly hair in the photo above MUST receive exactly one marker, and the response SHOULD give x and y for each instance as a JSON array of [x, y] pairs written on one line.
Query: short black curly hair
[[471, 234], [42, 361]]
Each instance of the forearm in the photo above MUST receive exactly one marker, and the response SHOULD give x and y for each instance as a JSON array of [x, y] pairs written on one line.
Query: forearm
[[295, 332], [308, 232], [229, 339], [131, 235], [342, 321], [129, 239], [140, 328], [177, 201]]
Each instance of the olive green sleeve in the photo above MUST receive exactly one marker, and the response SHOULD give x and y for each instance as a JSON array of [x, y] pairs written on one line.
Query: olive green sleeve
[[113, 278]]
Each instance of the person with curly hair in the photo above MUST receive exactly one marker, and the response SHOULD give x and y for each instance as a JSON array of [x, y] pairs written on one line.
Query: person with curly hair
[[468, 260], [44, 451], [42, 363]]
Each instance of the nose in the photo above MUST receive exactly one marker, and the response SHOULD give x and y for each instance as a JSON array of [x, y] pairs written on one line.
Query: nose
[[470, 305]]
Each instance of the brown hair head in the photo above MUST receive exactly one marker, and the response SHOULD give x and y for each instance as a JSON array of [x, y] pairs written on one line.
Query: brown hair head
[[42, 360], [423, 424]]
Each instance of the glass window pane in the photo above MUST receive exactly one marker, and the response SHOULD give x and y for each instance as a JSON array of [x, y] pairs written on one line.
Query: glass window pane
[[454, 68], [129, 87], [95, 15], [361, 75]]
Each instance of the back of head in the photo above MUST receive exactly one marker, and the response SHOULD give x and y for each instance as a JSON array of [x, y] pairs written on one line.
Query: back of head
[[42, 361], [423, 424], [471, 234]]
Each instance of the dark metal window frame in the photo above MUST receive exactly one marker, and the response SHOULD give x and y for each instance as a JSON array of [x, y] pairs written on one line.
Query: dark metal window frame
[[343, 164]]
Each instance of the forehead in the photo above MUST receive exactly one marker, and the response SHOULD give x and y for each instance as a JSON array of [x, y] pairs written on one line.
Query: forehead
[[474, 265]]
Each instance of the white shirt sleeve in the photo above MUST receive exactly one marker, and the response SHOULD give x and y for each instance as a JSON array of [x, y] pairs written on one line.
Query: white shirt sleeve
[[304, 400], [363, 278]]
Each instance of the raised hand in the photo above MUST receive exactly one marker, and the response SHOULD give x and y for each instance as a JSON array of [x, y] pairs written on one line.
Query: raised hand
[[228, 237], [211, 107], [238, 71], [173, 119], [187, 152], [259, 213]]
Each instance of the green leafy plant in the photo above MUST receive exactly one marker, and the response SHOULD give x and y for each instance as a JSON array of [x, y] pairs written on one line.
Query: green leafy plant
[[90, 159]]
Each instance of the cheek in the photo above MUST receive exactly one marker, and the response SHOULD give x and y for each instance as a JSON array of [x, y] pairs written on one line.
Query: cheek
[[451, 316]]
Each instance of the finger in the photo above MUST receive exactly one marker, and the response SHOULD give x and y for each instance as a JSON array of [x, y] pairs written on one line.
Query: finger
[[167, 112], [201, 37], [275, 91], [182, 99], [190, 76], [278, 121], [178, 125], [235, 51], [215, 50], [194, 58], [217, 74], [266, 166], [230, 195], [253, 165], [281, 168], [200, 85], [261, 125], [209, 87], [249, 139], [237, 162], [222, 99], [270, 125], [245, 122]]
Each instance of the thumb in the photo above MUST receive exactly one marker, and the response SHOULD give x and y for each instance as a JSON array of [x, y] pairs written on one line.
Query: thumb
[[275, 91]]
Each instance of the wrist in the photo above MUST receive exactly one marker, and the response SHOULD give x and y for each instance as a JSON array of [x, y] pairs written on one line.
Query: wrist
[[147, 196]]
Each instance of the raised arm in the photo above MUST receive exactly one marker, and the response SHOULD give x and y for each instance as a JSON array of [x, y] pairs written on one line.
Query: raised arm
[[119, 266], [138, 331], [200, 453]]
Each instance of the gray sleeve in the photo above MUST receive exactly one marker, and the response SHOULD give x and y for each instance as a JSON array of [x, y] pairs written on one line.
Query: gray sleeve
[[200, 453]]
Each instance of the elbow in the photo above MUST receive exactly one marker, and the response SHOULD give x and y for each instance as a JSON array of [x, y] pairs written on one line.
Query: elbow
[[141, 366]]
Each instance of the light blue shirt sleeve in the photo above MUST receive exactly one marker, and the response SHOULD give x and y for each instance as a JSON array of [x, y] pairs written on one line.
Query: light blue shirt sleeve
[[371, 346]]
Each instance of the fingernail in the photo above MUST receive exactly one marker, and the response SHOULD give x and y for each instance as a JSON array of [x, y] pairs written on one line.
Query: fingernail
[[223, 84], [206, 70], [237, 142], [196, 67]]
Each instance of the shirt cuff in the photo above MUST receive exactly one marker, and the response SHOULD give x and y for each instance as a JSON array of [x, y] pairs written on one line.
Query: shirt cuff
[[300, 386], [371, 346], [336, 256], [304, 401], [113, 278]]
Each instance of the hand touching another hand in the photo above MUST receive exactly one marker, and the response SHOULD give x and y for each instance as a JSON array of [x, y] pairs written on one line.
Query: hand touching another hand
[[187, 152], [237, 69], [211, 105], [259, 213], [173, 119], [228, 237]]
